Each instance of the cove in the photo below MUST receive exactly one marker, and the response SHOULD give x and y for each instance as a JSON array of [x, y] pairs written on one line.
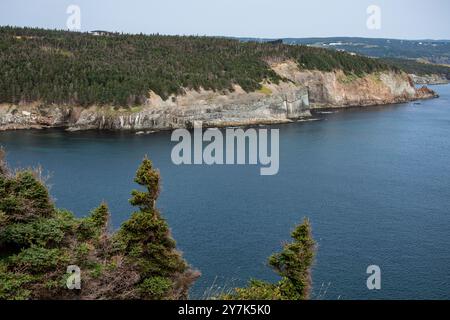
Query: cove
[[374, 182]]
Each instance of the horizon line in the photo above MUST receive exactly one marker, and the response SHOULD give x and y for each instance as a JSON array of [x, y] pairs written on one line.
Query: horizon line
[[225, 36]]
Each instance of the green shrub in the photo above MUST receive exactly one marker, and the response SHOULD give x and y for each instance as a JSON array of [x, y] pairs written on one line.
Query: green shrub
[[95, 224], [100, 216], [23, 197], [256, 290], [13, 285], [96, 270], [42, 232], [86, 229], [156, 288], [82, 252], [38, 260]]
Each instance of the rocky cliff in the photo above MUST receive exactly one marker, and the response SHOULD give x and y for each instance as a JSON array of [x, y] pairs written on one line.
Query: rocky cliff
[[274, 103], [337, 90], [288, 100]]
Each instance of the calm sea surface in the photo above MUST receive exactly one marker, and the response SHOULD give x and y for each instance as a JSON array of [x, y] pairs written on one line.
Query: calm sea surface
[[375, 183]]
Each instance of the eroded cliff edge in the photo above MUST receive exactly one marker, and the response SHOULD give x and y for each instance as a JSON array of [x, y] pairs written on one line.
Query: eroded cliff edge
[[291, 99], [337, 90]]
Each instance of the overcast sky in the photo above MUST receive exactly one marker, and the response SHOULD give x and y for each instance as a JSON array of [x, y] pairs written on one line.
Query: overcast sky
[[406, 19]]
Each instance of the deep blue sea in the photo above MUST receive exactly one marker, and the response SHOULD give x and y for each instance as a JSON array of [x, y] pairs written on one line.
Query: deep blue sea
[[374, 182]]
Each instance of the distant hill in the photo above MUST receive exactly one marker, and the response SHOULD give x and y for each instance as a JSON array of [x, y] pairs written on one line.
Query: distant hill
[[413, 56], [419, 68], [434, 51]]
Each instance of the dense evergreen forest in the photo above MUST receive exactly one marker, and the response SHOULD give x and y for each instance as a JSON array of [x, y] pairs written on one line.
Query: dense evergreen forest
[[120, 69]]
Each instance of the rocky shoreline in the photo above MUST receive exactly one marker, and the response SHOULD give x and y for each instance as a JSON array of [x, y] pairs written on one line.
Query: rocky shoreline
[[293, 99]]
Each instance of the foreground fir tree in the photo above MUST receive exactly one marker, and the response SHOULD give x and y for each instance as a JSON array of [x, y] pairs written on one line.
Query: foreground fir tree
[[145, 239], [140, 261], [38, 242], [293, 264]]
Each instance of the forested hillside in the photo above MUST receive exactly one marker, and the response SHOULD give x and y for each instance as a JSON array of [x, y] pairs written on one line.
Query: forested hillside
[[433, 51], [419, 68], [79, 68]]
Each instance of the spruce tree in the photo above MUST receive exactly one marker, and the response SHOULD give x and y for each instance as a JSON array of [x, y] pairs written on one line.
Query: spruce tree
[[38, 242], [145, 238], [293, 264]]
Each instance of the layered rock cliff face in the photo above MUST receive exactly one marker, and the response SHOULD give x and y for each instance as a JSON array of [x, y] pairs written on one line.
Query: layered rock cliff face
[[34, 115], [274, 103], [337, 90], [291, 99]]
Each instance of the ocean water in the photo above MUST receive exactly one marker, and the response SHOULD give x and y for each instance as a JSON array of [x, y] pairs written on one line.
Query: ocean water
[[374, 182]]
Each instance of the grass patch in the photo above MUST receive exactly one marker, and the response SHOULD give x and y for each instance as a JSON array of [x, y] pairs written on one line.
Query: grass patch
[[265, 90]]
